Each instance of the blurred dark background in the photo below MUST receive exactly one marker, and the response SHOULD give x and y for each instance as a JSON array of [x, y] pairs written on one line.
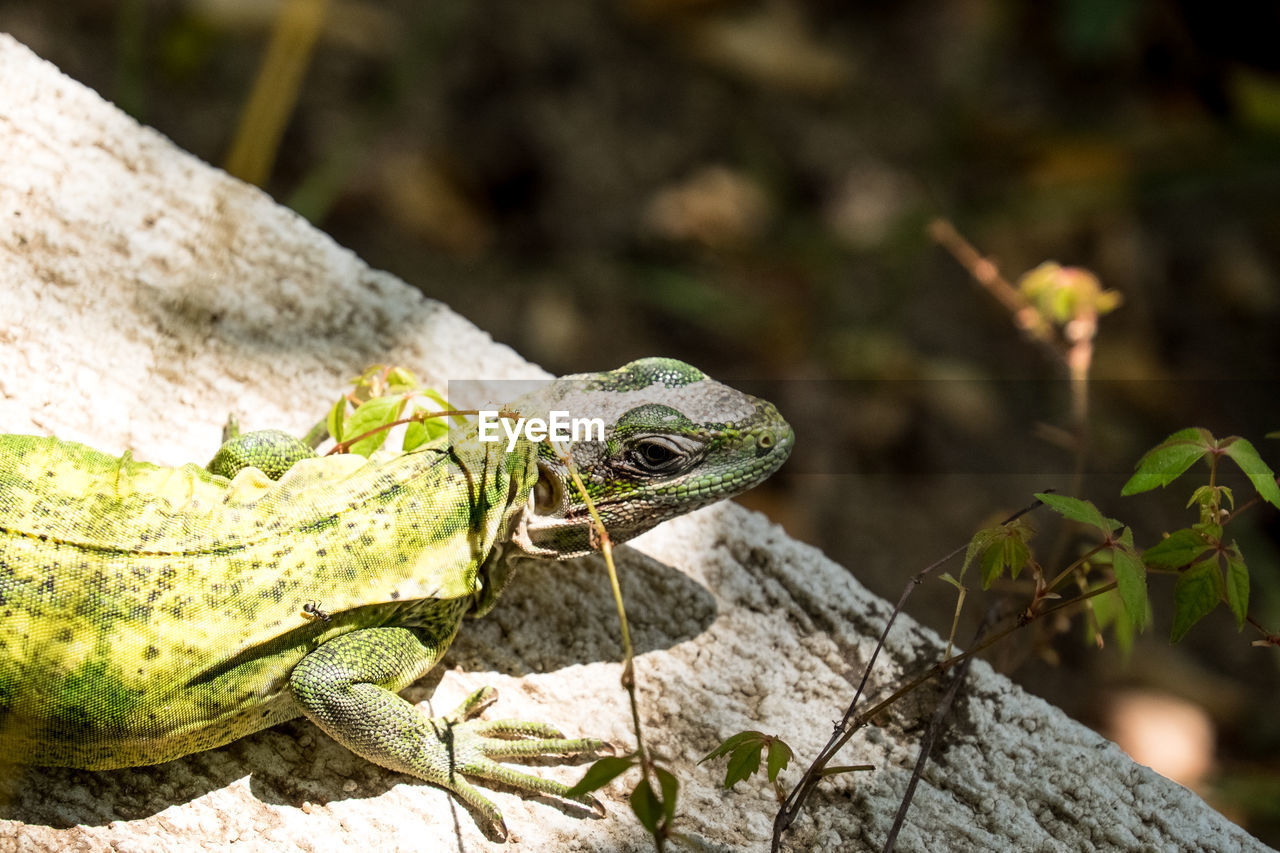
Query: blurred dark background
[[746, 186]]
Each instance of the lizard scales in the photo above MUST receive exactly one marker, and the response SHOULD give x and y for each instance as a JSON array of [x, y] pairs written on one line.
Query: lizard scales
[[148, 612]]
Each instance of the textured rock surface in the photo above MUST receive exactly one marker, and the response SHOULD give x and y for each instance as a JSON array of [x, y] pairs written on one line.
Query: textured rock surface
[[145, 295]]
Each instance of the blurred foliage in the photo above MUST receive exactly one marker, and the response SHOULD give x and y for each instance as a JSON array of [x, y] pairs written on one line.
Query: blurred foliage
[[745, 184]]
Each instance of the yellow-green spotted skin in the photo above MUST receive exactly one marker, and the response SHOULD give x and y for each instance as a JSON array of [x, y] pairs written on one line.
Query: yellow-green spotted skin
[[149, 612], [157, 609]]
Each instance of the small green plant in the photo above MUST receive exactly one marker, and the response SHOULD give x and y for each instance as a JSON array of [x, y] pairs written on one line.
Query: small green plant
[[1058, 308], [1110, 577], [382, 397], [744, 750], [1210, 568]]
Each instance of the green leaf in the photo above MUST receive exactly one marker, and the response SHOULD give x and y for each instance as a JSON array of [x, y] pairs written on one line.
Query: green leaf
[[646, 806], [992, 564], [371, 373], [744, 761], [1107, 610], [780, 755], [670, 787], [744, 750], [979, 544], [1210, 530], [416, 434], [1131, 582], [1208, 497], [1258, 472], [401, 379], [1016, 555], [336, 417], [997, 549], [421, 432], [436, 397], [1237, 584], [372, 414], [601, 773], [1167, 461], [731, 743], [1078, 510], [1123, 634], [1196, 593], [1007, 552], [1180, 548]]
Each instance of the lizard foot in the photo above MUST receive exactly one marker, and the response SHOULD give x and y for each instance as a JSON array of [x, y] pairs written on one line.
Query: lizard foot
[[472, 745]]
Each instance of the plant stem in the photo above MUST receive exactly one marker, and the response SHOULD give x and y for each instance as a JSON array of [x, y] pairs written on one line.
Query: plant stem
[[628, 652]]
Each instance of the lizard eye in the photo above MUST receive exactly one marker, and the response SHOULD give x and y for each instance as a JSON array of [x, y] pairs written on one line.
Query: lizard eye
[[656, 455]]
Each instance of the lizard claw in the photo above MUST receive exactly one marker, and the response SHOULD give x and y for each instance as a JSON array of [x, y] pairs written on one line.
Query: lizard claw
[[597, 807], [471, 745]]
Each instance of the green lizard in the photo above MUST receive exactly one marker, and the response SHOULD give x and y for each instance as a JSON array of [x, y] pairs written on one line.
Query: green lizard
[[149, 612]]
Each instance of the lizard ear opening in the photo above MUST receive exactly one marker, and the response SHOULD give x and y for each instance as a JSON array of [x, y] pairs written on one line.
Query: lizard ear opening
[[548, 496]]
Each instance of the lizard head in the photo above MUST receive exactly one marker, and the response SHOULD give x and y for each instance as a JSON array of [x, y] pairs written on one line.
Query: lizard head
[[671, 440]]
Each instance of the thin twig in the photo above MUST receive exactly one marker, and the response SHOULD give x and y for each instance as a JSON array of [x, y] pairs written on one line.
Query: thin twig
[[940, 667], [844, 729], [417, 417], [1073, 348], [1269, 638], [930, 737], [987, 274], [628, 652]]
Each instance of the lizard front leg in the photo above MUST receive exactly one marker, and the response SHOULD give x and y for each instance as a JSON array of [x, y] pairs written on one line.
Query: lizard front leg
[[269, 450], [348, 688]]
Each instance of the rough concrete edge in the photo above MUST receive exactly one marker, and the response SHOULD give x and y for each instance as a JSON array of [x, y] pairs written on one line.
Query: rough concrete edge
[[820, 597]]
